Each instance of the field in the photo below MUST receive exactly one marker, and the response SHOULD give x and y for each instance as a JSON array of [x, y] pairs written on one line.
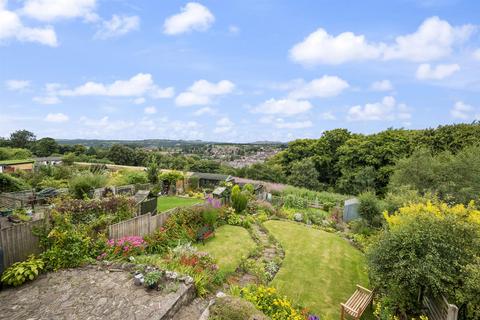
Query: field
[[228, 246], [320, 269], [166, 203]]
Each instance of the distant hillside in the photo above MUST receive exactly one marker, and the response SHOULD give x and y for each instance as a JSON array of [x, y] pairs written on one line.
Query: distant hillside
[[155, 143]]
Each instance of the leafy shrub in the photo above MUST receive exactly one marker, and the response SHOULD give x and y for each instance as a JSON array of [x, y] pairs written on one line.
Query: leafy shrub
[[66, 245], [82, 186], [130, 177], [234, 308], [296, 202], [14, 153], [370, 207], [210, 216], [249, 188], [118, 208], [239, 199], [271, 303], [20, 272], [11, 184]]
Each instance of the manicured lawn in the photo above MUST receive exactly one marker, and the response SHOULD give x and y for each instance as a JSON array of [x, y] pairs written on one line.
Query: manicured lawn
[[320, 269], [165, 203], [228, 246]]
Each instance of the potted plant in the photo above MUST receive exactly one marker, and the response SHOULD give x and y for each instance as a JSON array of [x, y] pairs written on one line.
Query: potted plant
[[152, 278]]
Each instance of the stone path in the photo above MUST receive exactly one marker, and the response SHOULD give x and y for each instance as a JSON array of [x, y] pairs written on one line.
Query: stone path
[[193, 311], [89, 293]]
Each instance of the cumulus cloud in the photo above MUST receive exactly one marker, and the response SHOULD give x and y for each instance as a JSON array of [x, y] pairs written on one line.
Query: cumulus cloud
[[426, 72], [223, 125], [326, 86], [50, 10], [322, 48], [386, 110], [150, 110], [282, 124], [193, 17], [12, 28], [434, 39], [118, 26], [140, 100], [15, 85], [382, 85], [464, 111], [286, 107], [203, 91], [328, 115], [137, 86], [205, 111], [56, 117], [50, 94]]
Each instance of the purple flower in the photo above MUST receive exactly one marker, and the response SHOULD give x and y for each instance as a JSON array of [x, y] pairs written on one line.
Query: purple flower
[[313, 317]]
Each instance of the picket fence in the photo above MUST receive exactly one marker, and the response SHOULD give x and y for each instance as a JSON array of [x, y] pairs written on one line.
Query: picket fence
[[440, 308], [18, 242]]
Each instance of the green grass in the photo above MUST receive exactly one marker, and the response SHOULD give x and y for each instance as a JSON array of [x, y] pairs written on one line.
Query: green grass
[[166, 203], [228, 247], [320, 269]]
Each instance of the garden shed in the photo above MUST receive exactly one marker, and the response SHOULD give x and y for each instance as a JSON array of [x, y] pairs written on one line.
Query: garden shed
[[10, 166], [350, 210], [210, 180]]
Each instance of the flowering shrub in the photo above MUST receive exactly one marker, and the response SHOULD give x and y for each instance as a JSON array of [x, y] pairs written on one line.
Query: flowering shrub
[[215, 203], [271, 303], [123, 247]]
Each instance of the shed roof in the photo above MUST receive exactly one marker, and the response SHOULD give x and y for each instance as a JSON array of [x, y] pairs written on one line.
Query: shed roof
[[17, 161], [40, 159], [351, 201]]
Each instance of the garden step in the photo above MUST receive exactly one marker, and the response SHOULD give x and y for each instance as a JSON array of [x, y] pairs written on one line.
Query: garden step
[[193, 311]]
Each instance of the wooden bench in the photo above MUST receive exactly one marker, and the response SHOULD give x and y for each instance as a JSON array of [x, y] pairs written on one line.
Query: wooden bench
[[357, 303]]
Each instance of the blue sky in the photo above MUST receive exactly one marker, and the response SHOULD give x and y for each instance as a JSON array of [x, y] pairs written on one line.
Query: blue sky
[[236, 70]]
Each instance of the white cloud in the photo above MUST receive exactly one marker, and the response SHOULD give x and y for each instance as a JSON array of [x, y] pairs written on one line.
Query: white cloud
[[434, 39], [150, 110], [326, 86], [202, 92], [56, 117], [50, 10], [12, 28], [193, 16], [287, 107], [425, 71], [281, 124], [386, 110], [15, 85], [476, 54], [162, 93], [464, 111], [234, 29], [205, 111], [136, 86], [140, 100], [382, 85], [322, 48], [223, 125], [105, 125], [50, 94], [327, 116], [118, 26]]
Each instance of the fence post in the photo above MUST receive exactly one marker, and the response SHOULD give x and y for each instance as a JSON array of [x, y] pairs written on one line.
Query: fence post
[[452, 311]]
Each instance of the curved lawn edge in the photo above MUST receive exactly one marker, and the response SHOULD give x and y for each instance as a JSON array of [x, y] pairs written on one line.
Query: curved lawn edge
[[320, 269]]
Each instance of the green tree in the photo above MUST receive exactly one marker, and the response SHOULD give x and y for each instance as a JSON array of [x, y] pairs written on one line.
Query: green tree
[[22, 139], [152, 172], [304, 174], [45, 147], [122, 155]]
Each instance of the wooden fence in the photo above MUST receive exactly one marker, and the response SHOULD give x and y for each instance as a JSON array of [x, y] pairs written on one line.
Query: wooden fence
[[440, 309], [139, 226], [18, 242]]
